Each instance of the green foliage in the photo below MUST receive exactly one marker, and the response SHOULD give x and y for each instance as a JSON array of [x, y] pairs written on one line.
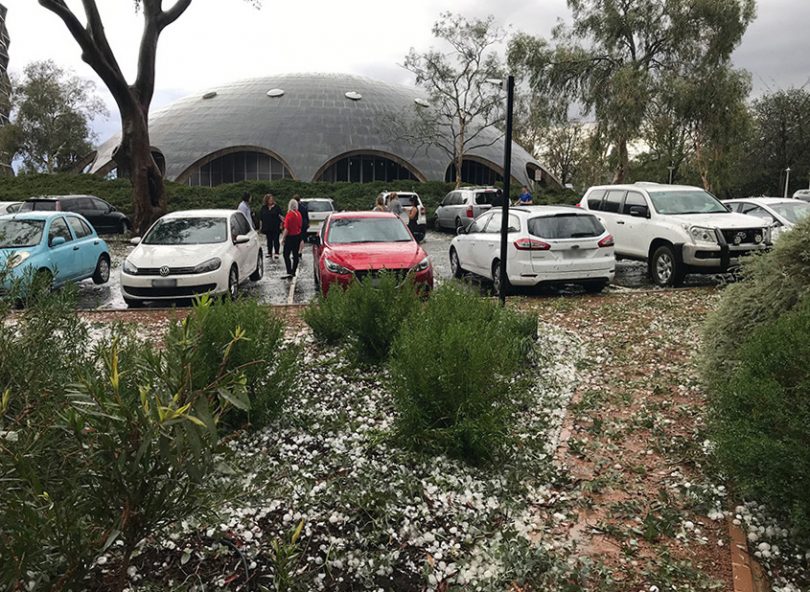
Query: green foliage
[[258, 354], [329, 316], [453, 368], [761, 418]]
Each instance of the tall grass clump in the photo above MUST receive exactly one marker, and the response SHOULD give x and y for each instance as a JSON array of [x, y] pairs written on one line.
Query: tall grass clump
[[266, 363], [454, 368], [761, 418], [328, 316]]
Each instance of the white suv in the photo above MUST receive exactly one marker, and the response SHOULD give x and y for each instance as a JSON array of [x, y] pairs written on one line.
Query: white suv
[[677, 229], [461, 206]]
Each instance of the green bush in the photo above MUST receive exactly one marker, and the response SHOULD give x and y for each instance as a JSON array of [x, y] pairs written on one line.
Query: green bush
[[328, 316], [773, 285], [267, 364], [101, 445], [761, 417], [454, 369]]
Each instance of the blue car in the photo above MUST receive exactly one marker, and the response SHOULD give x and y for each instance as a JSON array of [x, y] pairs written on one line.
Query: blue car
[[58, 247]]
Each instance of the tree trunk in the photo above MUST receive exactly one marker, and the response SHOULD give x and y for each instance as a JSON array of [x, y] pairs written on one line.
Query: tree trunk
[[135, 161], [459, 154], [624, 162]]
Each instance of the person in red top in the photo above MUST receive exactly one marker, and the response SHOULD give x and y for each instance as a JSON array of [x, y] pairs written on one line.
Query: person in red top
[[291, 237]]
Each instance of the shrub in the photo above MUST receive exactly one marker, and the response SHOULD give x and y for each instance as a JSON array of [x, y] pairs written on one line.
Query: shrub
[[327, 316], [773, 285], [761, 417], [453, 370], [260, 355]]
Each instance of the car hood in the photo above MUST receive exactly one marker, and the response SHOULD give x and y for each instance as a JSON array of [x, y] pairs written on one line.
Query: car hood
[[174, 255], [730, 220], [363, 256]]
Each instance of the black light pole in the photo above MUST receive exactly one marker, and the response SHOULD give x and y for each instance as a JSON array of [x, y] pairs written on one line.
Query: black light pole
[[507, 177]]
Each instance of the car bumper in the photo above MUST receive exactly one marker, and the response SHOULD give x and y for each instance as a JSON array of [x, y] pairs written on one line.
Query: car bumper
[[155, 287], [423, 280], [718, 258], [526, 275]]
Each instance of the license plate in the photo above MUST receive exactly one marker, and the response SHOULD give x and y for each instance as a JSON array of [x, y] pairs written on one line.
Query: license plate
[[574, 254], [164, 283]]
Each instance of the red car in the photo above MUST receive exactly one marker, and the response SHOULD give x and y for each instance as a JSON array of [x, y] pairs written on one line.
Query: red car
[[352, 245]]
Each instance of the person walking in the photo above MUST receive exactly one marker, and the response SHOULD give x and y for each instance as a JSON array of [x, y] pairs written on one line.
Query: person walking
[[270, 220], [304, 211], [379, 205], [413, 220], [291, 237], [244, 207]]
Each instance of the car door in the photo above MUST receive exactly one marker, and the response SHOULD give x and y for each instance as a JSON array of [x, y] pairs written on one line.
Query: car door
[[64, 259], [489, 246], [102, 212], [636, 229], [243, 252], [467, 244], [614, 221], [441, 212], [87, 243]]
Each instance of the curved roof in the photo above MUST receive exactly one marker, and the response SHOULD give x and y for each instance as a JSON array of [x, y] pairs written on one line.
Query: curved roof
[[314, 121]]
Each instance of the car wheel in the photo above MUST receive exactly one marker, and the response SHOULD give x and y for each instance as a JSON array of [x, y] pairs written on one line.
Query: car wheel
[[458, 224], [664, 268], [123, 228], [455, 264], [102, 273], [132, 303], [497, 285], [594, 287], [233, 283], [259, 273]]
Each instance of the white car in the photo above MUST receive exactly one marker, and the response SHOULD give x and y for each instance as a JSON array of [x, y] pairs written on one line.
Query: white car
[[803, 194], [405, 198], [546, 245], [193, 252], [9, 207], [319, 209], [782, 214], [461, 206], [676, 229]]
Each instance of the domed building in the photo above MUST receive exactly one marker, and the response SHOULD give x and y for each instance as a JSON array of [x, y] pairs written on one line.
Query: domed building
[[310, 127]]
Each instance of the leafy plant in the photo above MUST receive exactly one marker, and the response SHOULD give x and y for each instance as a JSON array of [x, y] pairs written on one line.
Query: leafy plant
[[328, 316], [453, 369]]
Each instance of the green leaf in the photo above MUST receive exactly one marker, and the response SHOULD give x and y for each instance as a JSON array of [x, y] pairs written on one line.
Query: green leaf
[[237, 397]]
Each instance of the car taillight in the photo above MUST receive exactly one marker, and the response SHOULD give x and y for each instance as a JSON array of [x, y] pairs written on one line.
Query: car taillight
[[577, 205], [469, 211], [422, 210], [606, 242], [531, 244]]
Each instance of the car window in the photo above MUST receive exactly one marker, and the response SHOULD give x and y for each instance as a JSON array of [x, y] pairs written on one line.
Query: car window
[[20, 233], [59, 228], [100, 204], [633, 199], [595, 199], [613, 201], [240, 224], [80, 228], [494, 226], [757, 211], [39, 206], [319, 206], [457, 200], [566, 226], [734, 207], [485, 197], [479, 224], [72, 205]]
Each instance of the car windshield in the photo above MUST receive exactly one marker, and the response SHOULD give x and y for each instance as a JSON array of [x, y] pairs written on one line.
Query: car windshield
[[686, 202], [319, 206], [565, 226], [794, 212], [187, 231], [367, 230], [20, 233]]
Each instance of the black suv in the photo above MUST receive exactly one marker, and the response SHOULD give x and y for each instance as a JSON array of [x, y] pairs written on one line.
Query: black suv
[[103, 216]]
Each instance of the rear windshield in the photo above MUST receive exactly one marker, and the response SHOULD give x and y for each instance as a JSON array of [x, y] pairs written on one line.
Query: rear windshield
[[565, 226], [187, 231], [485, 198], [319, 206], [39, 206]]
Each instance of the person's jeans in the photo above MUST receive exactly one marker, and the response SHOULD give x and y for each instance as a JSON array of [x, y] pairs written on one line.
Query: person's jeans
[[291, 246], [273, 245]]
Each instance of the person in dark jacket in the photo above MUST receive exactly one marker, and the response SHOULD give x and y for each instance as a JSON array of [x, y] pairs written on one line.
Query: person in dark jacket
[[304, 211], [270, 219]]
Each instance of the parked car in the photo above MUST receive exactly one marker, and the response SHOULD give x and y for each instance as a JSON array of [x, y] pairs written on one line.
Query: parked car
[[546, 245], [193, 252], [354, 245], [319, 208], [9, 207], [782, 214], [803, 194], [58, 247], [676, 229], [461, 206], [405, 198], [104, 217]]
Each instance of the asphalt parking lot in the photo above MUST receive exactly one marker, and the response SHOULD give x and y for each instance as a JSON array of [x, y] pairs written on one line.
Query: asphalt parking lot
[[274, 290]]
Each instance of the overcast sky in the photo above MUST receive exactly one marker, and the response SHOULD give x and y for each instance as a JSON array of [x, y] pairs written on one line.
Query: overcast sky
[[218, 41]]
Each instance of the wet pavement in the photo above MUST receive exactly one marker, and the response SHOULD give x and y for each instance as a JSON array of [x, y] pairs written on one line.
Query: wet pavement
[[274, 290]]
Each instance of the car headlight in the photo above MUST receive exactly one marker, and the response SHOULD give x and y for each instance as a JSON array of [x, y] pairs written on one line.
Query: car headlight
[[17, 258], [210, 265], [763, 235], [422, 265], [701, 234], [129, 268], [334, 267]]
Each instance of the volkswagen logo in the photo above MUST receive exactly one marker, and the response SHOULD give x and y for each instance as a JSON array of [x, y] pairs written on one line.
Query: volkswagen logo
[[164, 271]]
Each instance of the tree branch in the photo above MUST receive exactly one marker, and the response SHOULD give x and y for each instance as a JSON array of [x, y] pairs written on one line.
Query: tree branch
[[174, 13]]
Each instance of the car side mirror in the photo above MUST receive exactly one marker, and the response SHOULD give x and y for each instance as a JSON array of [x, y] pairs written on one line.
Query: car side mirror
[[639, 211], [113, 209], [135, 240], [57, 240], [241, 239], [461, 230]]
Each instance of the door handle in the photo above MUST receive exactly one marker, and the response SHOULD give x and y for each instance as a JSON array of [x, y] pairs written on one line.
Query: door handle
[[620, 222], [76, 248]]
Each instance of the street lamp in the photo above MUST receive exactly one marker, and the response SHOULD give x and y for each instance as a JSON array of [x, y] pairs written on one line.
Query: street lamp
[[787, 181], [671, 169]]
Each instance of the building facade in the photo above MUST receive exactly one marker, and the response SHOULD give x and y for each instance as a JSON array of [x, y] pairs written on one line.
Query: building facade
[[310, 127]]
